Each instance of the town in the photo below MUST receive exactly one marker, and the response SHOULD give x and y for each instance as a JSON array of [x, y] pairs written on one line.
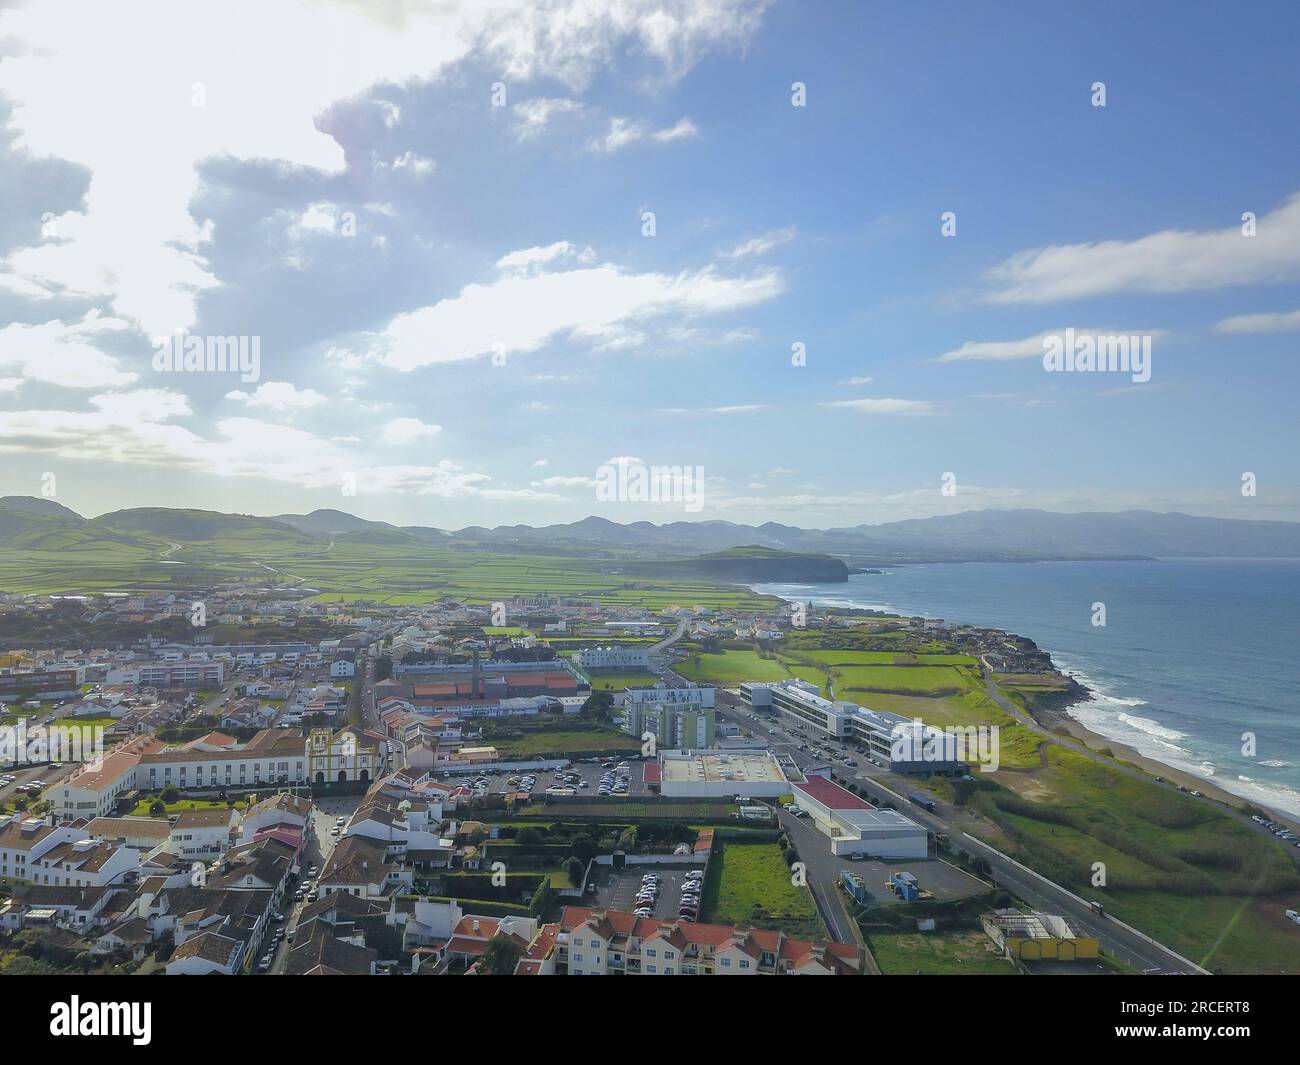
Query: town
[[537, 786]]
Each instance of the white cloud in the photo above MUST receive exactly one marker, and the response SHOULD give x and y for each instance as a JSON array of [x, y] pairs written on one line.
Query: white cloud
[[407, 430], [61, 353], [541, 463], [1029, 347], [858, 381], [738, 408], [520, 313], [279, 395], [1277, 322], [1169, 261], [885, 406], [623, 132], [533, 116], [762, 244], [420, 165], [136, 242], [526, 260]]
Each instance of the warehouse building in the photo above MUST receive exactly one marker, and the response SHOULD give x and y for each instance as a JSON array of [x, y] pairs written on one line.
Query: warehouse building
[[855, 826], [715, 774]]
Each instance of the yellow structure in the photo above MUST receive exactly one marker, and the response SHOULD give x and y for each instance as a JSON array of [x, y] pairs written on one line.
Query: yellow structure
[[1037, 937]]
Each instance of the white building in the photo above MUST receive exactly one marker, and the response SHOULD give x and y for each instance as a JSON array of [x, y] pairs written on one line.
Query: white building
[[718, 774], [855, 826], [614, 658], [882, 734]]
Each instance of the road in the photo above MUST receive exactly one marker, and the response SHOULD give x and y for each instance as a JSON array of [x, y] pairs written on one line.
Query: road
[[1116, 940]]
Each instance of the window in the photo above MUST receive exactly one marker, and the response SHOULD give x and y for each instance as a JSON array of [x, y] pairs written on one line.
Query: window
[[725, 963]]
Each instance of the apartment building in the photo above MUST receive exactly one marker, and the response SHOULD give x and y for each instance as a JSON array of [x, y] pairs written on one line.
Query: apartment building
[[181, 673], [588, 942], [924, 749], [613, 658], [676, 717], [37, 852]]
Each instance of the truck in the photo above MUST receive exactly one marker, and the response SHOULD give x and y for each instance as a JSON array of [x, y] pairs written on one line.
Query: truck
[[921, 801], [1096, 907]]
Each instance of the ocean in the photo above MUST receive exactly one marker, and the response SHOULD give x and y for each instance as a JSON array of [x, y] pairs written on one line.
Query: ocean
[[1193, 655]]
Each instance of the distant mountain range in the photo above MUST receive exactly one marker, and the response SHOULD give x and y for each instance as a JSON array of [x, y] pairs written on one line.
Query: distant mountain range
[[1014, 535], [983, 535]]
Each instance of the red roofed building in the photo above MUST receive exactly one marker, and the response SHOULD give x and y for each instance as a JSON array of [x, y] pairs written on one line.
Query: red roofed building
[[589, 942]]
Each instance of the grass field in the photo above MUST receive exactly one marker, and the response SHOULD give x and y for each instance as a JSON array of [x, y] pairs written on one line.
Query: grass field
[[141, 809], [749, 883], [559, 741], [616, 682], [389, 573], [732, 667], [1193, 876], [965, 953]]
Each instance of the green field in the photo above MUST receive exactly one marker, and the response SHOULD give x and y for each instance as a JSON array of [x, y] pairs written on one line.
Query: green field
[[749, 883], [732, 667], [616, 682], [397, 569], [966, 953], [560, 741], [1196, 878]]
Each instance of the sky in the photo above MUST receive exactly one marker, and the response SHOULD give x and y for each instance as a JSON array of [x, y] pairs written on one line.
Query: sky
[[488, 252]]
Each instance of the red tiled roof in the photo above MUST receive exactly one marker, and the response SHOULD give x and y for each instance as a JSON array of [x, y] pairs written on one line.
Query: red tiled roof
[[831, 795]]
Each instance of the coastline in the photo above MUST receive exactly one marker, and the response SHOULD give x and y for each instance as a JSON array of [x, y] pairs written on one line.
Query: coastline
[[1053, 713]]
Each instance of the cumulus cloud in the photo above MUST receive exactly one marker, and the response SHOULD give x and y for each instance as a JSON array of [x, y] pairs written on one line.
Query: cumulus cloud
[[278, 395], [407, 430], [63, 353], [521, 311], [135, 243]]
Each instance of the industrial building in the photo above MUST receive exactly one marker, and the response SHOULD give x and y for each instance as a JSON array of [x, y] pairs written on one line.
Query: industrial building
[[855, 826], [900, 744], [710, 774]]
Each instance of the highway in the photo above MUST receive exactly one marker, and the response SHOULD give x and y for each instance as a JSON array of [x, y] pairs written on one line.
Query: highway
[[1119, 942]]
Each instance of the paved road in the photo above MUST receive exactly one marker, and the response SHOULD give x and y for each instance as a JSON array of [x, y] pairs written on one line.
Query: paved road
[[1115, 940]]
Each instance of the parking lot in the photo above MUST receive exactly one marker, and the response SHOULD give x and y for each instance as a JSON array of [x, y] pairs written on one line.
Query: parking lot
[[616, 889], [588, 773], [945, 882]]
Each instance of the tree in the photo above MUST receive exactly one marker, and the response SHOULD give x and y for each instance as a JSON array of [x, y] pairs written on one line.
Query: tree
[[157, 808], [501, 956], [383, 667], [171, 793], [574, 868], [599, 706], [584, 848], [529, 834]]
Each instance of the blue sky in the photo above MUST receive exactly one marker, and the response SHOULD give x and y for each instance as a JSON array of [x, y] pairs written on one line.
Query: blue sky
[[460, 318]]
